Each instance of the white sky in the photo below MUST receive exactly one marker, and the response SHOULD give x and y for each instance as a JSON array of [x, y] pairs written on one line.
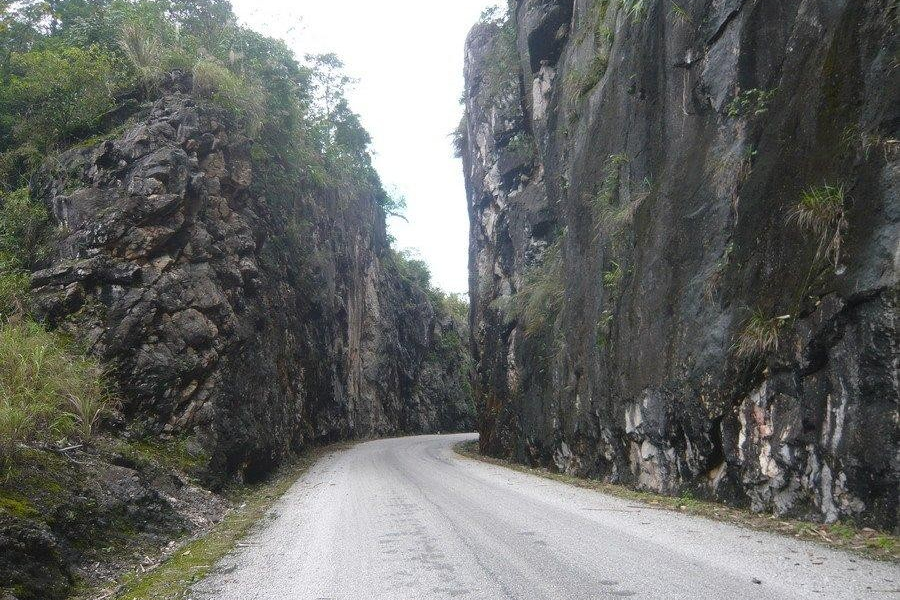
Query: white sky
[[408, 57]]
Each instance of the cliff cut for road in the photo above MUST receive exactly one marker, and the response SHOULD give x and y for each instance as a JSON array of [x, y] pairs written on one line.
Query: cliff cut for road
[[256, 324], [684, 247]]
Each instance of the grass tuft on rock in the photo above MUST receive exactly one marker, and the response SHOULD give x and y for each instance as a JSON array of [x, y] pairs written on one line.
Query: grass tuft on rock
[[540, 299], [760, 335], [820, 211]]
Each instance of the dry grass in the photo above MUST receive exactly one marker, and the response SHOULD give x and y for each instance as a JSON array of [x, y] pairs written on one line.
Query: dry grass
[[760, 335]]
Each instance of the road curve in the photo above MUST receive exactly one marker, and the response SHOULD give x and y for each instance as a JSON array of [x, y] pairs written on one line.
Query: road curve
[[407, 519]]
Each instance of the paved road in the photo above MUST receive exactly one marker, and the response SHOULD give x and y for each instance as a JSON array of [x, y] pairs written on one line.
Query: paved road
[[407, 519]]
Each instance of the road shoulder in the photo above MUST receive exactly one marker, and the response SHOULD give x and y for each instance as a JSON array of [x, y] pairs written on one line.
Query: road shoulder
[[195, 558], [864, 542]]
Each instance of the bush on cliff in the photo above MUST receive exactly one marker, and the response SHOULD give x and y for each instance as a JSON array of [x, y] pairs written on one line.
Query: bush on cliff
[[69, 68]]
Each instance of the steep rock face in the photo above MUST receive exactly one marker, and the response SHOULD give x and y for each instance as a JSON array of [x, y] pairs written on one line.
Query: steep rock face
[[256, 325], [650, 159]]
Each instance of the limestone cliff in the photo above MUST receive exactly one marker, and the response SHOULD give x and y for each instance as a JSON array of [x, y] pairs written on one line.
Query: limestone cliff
[[684, 246], [254, 325]]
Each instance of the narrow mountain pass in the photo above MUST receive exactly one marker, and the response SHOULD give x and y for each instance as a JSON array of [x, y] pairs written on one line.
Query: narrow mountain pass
[[408, 519]]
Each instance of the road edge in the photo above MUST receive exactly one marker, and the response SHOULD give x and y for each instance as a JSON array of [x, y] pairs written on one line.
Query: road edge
[[864, 542], [194, 558]]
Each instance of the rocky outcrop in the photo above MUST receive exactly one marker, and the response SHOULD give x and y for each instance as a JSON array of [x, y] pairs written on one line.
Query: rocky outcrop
[[255, 325], [659, 296]]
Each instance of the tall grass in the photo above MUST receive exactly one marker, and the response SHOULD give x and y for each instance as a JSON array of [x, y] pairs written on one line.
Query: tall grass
[[218, 83], [13, 291], [144, 51], [610, 214], [47, 390], [820, 211], [540, 299]]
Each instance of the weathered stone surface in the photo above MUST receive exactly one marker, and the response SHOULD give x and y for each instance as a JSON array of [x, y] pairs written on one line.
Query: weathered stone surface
[[257, 325], [670, 151], [31, 559]]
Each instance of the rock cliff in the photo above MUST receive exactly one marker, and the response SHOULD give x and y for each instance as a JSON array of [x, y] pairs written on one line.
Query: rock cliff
[[255, 325], [684, 246]]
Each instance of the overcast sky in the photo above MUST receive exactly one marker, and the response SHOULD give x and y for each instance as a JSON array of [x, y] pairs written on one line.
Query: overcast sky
[[408, 57]]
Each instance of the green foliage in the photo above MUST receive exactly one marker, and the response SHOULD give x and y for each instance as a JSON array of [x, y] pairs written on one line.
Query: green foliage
[[47, 390], [17, 507], [581, 81], [13, 290], [177, 454], [522, 144], [144, 50], [502, 62], [856, 139], [54, 94], [215, 82], [411, 268], [23, 230], [636, 9], [612, 279], [539, 301], [460, 137], [680, 14], [759, 336], [820, 211], [609, 214], [455, 305], [69, 64], [17, 165], [603, 325], [752, 103]]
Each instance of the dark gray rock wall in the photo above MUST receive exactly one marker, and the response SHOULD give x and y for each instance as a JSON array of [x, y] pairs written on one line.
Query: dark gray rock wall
[[649, 157], [257, 325]]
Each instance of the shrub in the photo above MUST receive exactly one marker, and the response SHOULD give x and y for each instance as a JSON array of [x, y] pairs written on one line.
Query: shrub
[[820, 211], [222, 87], [47, 389], [680, 14], [412, 269], [759, 336], [581, 81], [144, 51], [23, 229], [455, 305], [57, 93], [17, 165], [603, 325], [502, 66]]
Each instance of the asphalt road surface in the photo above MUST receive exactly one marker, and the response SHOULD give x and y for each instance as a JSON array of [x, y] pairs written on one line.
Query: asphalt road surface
[[407, 519]]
